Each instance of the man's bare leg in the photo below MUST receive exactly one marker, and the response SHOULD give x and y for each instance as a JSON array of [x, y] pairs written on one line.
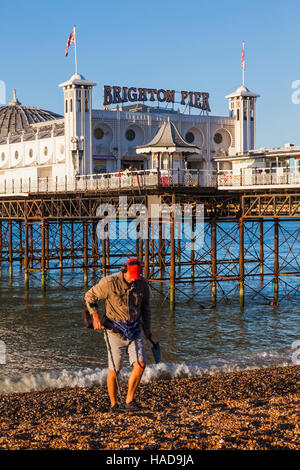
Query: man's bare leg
[[134, 379], [112, 386]]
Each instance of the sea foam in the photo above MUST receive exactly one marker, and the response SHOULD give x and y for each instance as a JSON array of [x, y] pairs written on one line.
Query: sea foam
[[88, 377]]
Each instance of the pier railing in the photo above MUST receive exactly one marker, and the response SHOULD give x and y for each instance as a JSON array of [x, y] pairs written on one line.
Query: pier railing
[[258, 177], [110, 181], [225, 179]]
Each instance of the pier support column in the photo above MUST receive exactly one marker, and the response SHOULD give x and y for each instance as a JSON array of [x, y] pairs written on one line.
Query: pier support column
[[31, 248], [21, 244], [152, 251], [26, 255], [10, 249], [85, 252], [261, 250], [178, 256], [103, 256], [47, 254], [193, 251], [213, 229], [94, 245], [141, 245], [107, 252], [276, 259], [146, 242], [241, 261], [160, 247], [43, 253], [72, 243], [1, 245], [172, 256], [60, 248]]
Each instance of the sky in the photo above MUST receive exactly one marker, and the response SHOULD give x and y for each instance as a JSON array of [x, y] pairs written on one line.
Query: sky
[[191, 45]]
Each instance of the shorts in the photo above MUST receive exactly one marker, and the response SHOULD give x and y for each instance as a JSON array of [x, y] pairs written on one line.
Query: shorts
[[119, 347]]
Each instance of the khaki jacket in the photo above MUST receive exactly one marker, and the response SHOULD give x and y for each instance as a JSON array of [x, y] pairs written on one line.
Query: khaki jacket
[[123, 301]]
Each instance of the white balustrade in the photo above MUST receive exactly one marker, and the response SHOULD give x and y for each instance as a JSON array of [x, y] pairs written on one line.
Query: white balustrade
[[246, 178], [259, 177]]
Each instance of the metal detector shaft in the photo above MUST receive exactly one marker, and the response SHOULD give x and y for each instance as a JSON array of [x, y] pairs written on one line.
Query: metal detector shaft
[[113, 362]]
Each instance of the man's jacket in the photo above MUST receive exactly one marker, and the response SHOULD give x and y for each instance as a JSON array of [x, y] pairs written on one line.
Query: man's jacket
[[124, 302]]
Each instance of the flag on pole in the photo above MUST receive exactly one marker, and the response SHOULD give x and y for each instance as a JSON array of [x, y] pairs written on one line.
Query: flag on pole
[[71, 40], [243, 62], [243, 56]]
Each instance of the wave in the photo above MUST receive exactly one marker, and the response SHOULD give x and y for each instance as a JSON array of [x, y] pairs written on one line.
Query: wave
[[88, 377]]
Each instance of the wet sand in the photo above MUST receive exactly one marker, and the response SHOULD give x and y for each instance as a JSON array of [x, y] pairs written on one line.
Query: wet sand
[[256, 409]]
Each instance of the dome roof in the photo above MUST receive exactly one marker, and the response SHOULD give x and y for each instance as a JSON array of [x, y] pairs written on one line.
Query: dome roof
[[15, 118]]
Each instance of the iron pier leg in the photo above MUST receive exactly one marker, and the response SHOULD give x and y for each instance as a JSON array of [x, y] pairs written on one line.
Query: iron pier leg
[[103, 256], [172, 257], [10, 249], [241, 261], [276, 259], [26, 250], [1, 245], [261, 251], [20, 245], [85, 253], [72, 244], [43, 253], [60, 249], [213, 226], [146, 258]]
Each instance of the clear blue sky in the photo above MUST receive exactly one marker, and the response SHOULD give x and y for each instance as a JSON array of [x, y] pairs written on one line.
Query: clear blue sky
[[190, 44]]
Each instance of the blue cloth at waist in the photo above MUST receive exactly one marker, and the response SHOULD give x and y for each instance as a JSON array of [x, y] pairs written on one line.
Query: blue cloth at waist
[[128, 329]]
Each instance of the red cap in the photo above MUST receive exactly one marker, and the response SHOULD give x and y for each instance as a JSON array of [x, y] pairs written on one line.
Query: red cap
[[134, 268]]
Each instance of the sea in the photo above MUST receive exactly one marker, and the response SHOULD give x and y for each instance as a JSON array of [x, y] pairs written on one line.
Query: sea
[[45, 345]]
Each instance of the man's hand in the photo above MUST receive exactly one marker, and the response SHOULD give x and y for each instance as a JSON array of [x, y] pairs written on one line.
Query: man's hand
[[148, 334], [96, 322]]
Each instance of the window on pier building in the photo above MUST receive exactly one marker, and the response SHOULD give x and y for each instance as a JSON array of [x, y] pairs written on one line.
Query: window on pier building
[[251, 111], [245, 110], [78, 101], [238, 114], [86, 101], [66, 107]]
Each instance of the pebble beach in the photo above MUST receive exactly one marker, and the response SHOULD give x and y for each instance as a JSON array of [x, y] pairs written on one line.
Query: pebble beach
[[252, 409]]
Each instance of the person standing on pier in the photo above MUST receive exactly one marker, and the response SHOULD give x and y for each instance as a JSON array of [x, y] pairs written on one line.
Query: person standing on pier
[[127, 298]]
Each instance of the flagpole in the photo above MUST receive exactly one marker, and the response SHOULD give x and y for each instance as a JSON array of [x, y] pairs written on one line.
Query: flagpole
[[75, 50], [243, 63]]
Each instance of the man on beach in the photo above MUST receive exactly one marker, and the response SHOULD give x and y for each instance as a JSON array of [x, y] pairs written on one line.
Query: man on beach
[[127, 299]]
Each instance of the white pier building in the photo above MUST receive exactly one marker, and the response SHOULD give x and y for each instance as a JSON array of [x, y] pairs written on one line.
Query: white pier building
[[86, 148], [37, 143]]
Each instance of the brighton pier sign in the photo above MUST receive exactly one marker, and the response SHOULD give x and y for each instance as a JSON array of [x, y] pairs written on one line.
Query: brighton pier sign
[[119, 95]]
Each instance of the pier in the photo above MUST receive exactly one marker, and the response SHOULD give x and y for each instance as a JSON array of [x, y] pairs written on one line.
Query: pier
[[50, 227]]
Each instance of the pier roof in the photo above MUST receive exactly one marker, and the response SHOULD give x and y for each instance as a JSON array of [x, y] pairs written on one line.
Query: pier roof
[[168, 139], [242, 91]]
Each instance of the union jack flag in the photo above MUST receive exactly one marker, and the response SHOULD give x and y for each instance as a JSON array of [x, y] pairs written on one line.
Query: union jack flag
[[243, 56], [71, 40]]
